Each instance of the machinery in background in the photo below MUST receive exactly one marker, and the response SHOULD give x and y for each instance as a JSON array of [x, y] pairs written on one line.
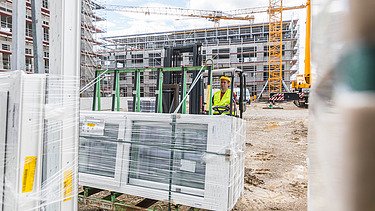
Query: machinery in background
[[302, 84], [302, 88]]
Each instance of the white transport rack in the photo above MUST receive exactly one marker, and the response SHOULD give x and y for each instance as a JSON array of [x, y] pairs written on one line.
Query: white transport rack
[[32, 176], [193, 160]]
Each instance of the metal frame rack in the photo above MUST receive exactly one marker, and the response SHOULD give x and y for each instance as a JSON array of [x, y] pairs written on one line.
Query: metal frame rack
[[209, 73]]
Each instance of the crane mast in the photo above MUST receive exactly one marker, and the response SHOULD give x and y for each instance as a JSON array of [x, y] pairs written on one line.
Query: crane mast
[[275, 46], [308, 45]]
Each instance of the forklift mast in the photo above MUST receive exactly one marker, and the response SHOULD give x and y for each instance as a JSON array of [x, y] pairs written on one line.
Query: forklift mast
[[173, 80]]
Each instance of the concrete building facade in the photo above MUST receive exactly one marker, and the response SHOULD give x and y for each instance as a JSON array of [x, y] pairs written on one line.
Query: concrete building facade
[[88, 41], [6, 35]]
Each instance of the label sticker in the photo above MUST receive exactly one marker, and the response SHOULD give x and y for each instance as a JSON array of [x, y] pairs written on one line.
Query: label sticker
[[93, 127], [188, 165], [28, 176], [68, 185]]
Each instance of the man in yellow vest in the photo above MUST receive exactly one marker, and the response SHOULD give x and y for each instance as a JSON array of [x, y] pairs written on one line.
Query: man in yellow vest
[[221, 100]]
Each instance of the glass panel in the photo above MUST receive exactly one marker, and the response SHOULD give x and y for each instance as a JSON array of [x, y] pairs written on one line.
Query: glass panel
[[97, 154], [152, 147], [189, 168], [149, 154]]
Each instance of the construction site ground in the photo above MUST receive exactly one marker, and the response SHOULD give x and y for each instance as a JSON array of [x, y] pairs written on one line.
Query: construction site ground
[[276, 159], [275, 166]]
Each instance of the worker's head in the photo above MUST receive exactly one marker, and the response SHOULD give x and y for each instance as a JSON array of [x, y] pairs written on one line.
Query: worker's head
[[224, 83]]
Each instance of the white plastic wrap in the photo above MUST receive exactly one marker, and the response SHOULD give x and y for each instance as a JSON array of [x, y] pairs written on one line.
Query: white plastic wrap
[[38, 126], [193, 160]]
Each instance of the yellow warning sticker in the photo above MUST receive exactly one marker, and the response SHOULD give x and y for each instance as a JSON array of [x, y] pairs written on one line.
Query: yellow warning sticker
[[28, 174], [68, 185], [91, 124]]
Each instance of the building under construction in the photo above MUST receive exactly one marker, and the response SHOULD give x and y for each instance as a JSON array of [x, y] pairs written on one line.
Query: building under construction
[[88, 40], [241, 46]]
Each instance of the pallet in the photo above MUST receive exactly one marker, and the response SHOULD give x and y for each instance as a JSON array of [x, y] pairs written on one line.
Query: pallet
[[107, 200]]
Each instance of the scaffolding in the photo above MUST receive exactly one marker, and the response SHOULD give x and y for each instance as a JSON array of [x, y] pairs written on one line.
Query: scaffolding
[[89, 41]]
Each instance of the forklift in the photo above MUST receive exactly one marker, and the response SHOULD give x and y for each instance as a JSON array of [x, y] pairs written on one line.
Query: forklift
[[172, 85]]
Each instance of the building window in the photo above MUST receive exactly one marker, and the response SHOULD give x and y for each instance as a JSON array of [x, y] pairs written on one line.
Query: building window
[[223, 53], [152, 75], [123, 91], [45, 4], [204, 56], [248, 69], [247, 54], [152, 91], [29, 64], [6, 22], [29, 30], [137, 58], [142, 77], [154, 59], [46, 65], [5, 47], [46, 34], [142, 91], [6, 61], [28, 51], [265, 76]]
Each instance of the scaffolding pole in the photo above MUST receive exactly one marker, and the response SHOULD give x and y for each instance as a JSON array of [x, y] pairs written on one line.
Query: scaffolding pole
[[36, 6]]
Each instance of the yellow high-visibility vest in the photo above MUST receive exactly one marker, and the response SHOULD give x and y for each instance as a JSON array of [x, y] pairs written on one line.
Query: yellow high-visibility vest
[[224, 101]]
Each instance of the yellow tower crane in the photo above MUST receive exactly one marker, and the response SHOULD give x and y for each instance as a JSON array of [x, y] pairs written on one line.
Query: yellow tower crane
[[275, 43]]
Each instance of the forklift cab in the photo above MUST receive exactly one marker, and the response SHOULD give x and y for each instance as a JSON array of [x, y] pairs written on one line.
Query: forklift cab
[[237, 104]]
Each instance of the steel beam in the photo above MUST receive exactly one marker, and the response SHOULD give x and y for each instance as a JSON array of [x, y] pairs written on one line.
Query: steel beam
[[38, 36]]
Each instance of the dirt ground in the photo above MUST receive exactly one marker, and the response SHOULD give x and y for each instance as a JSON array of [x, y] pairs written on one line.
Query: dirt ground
[[275, 166], [276, 153]]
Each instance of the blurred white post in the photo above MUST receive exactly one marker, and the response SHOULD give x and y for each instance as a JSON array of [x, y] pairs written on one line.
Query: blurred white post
[[342, 136], [65, 38], [18, 35]]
